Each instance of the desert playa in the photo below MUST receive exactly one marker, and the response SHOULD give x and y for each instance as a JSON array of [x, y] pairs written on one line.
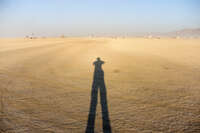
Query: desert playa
[[153, 85]]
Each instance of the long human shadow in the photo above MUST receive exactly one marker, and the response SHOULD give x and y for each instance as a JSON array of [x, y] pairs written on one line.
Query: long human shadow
[[98, 84]]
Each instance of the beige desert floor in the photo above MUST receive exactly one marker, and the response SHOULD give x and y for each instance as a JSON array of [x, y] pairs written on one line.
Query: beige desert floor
[[153, 85]]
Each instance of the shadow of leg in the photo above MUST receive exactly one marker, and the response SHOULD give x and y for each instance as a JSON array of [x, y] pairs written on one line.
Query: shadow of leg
[[104, 107], [93, 105]]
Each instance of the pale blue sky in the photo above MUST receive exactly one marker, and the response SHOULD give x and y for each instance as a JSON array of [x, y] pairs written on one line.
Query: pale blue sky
[[98, 17]]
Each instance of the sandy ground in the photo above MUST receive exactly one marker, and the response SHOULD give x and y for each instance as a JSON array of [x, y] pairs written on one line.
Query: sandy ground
[[153, 85]]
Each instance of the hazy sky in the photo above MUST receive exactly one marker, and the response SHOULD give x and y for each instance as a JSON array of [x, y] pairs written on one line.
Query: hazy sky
[[99, 17]]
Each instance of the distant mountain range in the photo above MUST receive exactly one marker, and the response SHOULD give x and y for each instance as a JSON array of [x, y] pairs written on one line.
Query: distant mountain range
[[185, 33]]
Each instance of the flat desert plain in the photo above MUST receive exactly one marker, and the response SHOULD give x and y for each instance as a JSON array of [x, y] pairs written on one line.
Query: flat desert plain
[[153, 85]]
